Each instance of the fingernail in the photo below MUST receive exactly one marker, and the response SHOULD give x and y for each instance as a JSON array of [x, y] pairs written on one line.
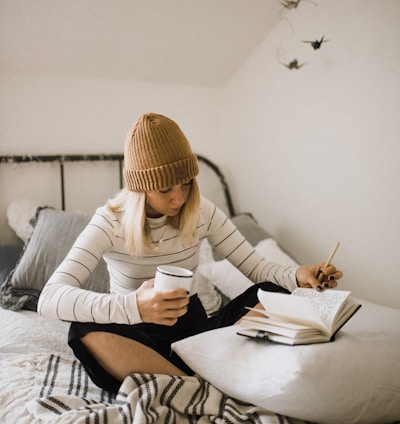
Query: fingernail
[[319, 288], [331, 277], [326, 285]]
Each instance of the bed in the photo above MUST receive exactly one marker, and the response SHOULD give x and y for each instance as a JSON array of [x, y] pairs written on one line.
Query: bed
[[355, 379]]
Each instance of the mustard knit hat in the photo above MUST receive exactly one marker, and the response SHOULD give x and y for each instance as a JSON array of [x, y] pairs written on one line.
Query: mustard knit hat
[[157, 155]]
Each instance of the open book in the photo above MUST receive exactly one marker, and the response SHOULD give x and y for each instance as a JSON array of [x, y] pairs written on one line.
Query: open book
[[303, 317]]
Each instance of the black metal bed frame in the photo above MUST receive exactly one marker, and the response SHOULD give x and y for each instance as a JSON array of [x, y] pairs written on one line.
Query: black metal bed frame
[[62, 159]]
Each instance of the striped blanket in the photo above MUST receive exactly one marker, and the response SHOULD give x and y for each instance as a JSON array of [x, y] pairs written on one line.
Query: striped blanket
[[63, 393]]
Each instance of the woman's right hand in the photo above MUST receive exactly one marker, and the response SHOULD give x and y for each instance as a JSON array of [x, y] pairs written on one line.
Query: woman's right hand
[[161, 307]]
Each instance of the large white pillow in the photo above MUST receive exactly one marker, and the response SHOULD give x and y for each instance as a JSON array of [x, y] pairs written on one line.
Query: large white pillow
[[354, 379], [228, 279]]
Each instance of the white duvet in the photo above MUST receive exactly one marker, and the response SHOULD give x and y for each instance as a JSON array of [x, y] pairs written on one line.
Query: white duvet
[[42, 382], [26, 342]]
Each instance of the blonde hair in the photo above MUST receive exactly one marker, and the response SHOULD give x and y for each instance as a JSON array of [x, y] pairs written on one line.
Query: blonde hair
[[132, 207]]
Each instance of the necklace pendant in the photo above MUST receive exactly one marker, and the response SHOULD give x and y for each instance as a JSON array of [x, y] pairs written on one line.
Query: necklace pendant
[[156, 248]]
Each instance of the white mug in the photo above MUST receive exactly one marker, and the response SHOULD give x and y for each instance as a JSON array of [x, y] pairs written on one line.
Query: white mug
[[173, 277]]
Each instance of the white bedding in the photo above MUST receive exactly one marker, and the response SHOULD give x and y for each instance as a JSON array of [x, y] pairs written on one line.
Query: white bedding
[[42, 382]]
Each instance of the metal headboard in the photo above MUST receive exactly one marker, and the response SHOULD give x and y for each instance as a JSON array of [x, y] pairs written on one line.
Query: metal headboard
[[62, 159]]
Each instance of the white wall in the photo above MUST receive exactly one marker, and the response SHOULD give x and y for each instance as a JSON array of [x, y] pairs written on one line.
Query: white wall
[[58, 114], [45, 114], [312, 153], [315, 152]]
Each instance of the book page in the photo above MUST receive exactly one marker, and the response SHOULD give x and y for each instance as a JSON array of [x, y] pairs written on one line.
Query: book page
[[326, 303], [290, 308], [304, 306]]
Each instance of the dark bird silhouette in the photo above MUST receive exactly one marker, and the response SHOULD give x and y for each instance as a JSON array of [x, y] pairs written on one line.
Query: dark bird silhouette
[[294, 64], [316, 44], [290, 4], [293, 4]]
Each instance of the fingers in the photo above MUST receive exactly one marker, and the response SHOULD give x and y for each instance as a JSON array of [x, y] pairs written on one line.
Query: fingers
[[167, 310], [161, 307], [170, 295], [328, 276], [327, 285], [318, 277]]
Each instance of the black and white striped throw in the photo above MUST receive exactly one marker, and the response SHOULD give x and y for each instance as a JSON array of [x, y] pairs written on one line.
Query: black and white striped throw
[[68, 396]]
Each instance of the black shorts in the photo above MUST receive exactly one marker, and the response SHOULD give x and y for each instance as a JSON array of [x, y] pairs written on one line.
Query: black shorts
[[160, 337]]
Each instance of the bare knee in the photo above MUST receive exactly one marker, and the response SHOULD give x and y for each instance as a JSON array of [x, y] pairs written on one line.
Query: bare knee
[[121, 356], [96, 340], [102, 347]]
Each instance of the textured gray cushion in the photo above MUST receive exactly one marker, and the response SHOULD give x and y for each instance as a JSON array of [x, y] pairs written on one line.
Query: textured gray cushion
[[53, 235], [248, 226], [9, 256]]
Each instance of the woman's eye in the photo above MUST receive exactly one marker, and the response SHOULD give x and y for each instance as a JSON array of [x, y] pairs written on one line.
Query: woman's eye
[[169, 189]]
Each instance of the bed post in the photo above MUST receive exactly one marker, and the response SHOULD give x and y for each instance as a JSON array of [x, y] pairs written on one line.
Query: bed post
[[61, 163]]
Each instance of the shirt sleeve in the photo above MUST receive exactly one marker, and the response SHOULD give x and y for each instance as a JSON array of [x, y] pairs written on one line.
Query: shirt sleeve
[[226, 238], [63, 296]]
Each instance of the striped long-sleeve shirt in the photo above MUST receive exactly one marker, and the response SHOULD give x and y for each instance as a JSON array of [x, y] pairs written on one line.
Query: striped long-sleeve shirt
[[63, 297]]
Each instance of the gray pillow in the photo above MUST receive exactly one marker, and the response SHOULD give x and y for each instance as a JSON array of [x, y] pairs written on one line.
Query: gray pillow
[[249, 228], [9, 256], [53, 235]]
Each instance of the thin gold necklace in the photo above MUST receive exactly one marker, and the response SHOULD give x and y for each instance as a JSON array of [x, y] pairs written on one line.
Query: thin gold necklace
[[156, 248]]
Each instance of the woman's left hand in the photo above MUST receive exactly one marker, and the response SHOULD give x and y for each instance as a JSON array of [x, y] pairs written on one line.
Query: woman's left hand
[[307, 276]]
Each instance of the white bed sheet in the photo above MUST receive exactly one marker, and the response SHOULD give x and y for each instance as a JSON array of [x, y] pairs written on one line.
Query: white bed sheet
[[42, 382], [26, 342]]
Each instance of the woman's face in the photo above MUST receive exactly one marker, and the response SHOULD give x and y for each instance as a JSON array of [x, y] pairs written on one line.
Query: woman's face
[[168, 201]]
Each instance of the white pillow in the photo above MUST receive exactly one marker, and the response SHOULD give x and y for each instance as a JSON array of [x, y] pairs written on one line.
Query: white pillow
[[209, 296], [356, 378], [229, 280], [19, 214]]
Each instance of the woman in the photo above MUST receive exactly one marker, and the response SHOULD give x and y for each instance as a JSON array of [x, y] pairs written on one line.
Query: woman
[[159, 218]]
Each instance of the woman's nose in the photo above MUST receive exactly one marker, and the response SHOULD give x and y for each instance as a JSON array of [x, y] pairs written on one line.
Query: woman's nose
[[178, 196]]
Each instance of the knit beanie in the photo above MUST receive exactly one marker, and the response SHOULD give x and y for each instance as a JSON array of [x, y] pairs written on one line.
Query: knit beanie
[[157, 155]]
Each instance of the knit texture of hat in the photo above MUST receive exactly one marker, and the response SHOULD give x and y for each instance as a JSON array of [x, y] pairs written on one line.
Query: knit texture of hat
[[157, 155]]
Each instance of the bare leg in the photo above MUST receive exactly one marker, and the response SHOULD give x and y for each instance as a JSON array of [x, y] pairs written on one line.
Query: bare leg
[[121, 356]]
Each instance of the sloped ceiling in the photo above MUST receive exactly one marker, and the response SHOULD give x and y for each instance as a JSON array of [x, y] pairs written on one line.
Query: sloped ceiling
[[197, 42]]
